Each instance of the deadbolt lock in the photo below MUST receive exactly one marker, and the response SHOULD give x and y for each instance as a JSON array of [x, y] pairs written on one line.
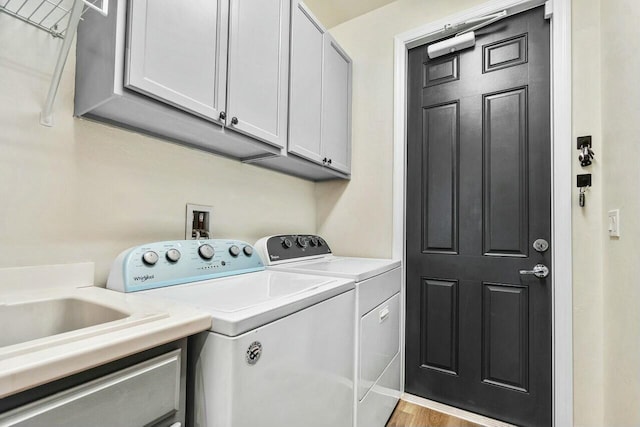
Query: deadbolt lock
[[541, 245]]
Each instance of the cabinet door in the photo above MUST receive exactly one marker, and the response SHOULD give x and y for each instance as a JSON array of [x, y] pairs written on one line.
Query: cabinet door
[[336, 106], [305, 90], [137, 396], [258, 72], [177, 53]]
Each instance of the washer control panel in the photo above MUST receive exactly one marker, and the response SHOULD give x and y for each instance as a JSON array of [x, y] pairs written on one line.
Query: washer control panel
[[292, 247], [160, 264]]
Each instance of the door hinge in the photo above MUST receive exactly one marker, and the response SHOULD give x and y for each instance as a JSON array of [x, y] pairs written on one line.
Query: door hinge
[[548, 9]]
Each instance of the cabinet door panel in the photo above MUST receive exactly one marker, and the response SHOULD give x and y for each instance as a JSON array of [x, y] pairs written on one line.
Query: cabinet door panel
[[258, 74], [336, 106], [176, 52], [305, 91], [137, 396]]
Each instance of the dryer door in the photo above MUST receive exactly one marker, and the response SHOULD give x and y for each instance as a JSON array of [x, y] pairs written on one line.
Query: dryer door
[[379, 342]]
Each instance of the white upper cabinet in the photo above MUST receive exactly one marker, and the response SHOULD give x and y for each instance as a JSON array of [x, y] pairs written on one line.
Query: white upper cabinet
[[256, 80], [258, 69], [336, 106], [305, 91], [320, 94], [177, 53]]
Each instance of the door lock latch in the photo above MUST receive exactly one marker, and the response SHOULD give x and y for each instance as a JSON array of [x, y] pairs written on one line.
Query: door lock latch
[[541, 271]]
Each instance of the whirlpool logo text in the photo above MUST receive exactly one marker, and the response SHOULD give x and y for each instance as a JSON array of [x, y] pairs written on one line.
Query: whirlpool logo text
[[144, 278]]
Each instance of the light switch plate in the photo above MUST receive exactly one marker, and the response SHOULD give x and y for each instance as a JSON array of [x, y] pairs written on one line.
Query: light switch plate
[[614, 223]]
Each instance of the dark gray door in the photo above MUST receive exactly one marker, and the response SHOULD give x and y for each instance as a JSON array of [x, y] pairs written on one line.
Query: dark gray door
[[478, 196]]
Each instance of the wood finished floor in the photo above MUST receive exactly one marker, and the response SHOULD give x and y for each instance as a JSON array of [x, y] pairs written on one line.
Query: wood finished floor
[[409, 415]]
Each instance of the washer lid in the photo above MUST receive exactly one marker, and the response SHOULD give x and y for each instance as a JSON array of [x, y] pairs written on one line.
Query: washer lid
[[357, 269], [240, 303]]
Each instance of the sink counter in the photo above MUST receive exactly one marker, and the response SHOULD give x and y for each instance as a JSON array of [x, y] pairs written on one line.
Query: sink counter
[[144, 323]]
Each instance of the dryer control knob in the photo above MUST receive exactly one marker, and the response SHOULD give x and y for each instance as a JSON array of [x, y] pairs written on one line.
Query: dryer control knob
[[302, 242], [286, 243], [248, 250], [150, 258], [234, 250], [206, 251], [313, 241], [173, 255]]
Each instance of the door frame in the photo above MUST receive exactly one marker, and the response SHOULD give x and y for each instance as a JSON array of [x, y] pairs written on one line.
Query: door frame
[[561, 175]]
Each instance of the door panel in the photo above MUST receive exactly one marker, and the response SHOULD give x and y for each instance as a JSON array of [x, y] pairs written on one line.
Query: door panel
[[505, 53], [336, 106], [305, 85], [505, 336], [440, 177], [439, 333], [505, 173], [478, 195], [258, 82], [178, 53], [441, 70]]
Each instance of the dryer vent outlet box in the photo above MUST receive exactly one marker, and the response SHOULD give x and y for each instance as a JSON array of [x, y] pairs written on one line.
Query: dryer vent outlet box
[[198, 222]]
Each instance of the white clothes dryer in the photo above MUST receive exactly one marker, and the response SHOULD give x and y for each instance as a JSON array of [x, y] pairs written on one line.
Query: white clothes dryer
[[377, 316], [280, 348]]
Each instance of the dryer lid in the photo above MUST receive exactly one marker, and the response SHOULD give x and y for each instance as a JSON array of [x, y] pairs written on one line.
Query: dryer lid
[[357, 269]]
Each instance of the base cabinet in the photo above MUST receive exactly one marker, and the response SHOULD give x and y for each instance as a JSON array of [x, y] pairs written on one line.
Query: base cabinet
[[148, 393]]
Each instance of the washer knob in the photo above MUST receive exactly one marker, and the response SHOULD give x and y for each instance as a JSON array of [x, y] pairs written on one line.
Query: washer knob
[[173, 255], [302, 242], [287, 243], [313, 241], [248, 250], [320, 242], [150, 258], [206, 251], [234, 250]]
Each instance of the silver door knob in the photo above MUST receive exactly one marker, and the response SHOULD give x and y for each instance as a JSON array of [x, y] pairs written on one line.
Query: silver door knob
[[540, 271]]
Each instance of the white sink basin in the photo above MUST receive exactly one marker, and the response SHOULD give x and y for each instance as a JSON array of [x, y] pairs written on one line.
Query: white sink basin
[[55, 324], [32, 320]]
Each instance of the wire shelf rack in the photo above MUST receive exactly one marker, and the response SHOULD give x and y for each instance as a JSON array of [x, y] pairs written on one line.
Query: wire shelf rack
[[51, 16], [60, 18]]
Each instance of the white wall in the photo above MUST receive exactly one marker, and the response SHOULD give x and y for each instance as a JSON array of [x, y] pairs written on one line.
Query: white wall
[[363, 208], [621, 160], [83, 191]]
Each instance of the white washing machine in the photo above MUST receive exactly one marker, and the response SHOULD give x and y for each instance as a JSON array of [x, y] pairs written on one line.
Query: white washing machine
[[377, 316], [280, 348]]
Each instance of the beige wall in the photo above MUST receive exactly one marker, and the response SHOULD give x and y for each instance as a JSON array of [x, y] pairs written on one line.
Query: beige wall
[[621, 160], [588, 229], [82, 191], [334, 12], [363, 207]]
